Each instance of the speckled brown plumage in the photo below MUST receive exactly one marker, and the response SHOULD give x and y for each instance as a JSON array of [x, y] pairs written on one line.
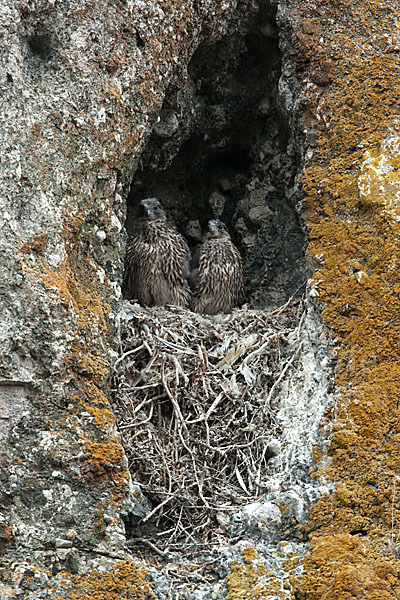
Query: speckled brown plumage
[[216, 273], [157, 260]]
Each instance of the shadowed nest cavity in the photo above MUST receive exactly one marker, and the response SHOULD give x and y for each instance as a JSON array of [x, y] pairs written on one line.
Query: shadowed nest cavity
[[195, 400]]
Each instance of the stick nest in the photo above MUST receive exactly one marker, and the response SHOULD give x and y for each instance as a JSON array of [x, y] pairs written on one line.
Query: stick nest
[[195, 399]]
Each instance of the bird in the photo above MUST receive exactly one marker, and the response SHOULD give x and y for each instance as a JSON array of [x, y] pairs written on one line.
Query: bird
[[216, 272], [157, 260]]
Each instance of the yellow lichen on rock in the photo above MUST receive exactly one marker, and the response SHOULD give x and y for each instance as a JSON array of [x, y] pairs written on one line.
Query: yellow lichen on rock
[[104, 457], [379, 179], [247, 582], [103, 418], [347, 570], [78, 291], [126, 580], [252, 581], [353, 206]]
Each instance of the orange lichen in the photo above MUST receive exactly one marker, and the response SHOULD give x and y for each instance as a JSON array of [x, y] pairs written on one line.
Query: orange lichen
[[90, 393], [252, 581], [101, 416], [105, 464], [76, 289], [285, 510], [353, 211], [104, 455], [247, 582], [97, 520], [347, 570], [89, 363], [125, 580], [78, 293], [6, 535], [89, 307], [249, 554]]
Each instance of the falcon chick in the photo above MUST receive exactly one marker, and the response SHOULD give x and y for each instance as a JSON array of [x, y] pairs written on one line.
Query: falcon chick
[[157, 260], [216, 275]]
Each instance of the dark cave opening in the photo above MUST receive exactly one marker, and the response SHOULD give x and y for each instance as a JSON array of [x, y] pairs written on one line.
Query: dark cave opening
[[221, 148], [40, 45]]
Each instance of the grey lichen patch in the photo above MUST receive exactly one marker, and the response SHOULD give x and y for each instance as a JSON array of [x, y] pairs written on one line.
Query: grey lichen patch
[[14, 404]]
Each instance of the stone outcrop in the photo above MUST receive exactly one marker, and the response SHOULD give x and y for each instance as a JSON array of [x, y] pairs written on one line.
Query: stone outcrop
[[81, 84], [82, 87], [341, 84]]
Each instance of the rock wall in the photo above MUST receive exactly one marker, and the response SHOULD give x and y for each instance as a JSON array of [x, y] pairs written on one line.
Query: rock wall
[[82, 84], [341, 83]]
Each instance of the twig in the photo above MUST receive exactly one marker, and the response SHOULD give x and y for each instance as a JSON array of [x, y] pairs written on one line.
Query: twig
[[281, 376], [134, 541], [126, 354], [157, 508]]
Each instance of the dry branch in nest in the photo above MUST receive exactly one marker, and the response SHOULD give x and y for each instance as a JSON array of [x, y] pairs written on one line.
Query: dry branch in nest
[[194, 399]]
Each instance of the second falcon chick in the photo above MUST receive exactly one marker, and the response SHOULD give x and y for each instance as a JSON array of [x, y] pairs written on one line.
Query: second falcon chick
[[216, 272]]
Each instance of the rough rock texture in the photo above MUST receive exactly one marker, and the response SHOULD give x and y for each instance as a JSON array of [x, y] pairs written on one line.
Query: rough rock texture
[[342, 85], [82, 84]]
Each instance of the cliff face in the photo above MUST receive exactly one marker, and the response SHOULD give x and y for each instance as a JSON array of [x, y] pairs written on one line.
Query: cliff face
[[348, 73], [81, 87], [81, 84]]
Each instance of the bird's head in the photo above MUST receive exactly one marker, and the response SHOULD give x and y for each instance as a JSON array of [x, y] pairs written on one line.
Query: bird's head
[[153, 209], [217, 230]]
